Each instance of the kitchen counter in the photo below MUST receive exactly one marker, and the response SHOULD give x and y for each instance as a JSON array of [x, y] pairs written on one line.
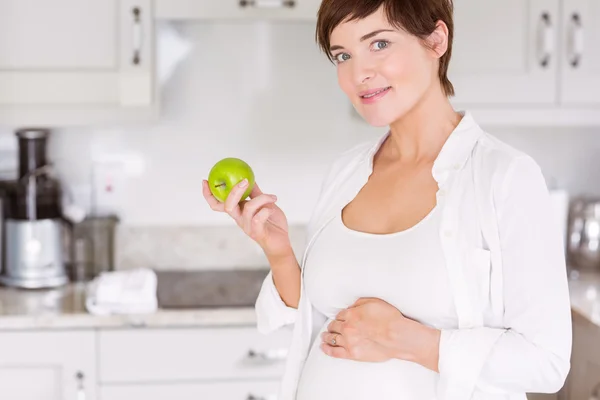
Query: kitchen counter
[[64, 308], [584, 288], [186, 299]]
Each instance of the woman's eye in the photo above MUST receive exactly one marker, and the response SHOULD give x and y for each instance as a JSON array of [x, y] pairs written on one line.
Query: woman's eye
[[380, 44], [342, 57]]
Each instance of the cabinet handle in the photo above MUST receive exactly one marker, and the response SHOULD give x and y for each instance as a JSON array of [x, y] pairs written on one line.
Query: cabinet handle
[[270, 356], [137, 35], [545, 40], [80, 386], [268, 3], [575, 40]]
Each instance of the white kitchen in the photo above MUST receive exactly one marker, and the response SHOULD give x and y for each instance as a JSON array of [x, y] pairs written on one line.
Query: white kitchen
[[112, 112]]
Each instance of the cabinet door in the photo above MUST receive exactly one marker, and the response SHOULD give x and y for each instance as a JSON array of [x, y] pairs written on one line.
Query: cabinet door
[[580, 80], [231, 390], [71, 52], [504, 52], [191, 354], [47, 365], [238, 9]]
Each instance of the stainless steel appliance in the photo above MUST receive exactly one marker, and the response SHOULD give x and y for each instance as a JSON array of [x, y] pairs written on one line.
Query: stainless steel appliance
[[583, 247], [93, 247], [32, 224]]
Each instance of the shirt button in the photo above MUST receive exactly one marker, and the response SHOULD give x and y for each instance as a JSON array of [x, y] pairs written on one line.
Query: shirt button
[[448, 234], [442, 192], [456, 167]]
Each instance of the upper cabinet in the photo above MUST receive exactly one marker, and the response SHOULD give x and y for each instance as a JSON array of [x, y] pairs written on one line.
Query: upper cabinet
[[238, 9], [68, 61], [527, 62], [580, 58], [504, 52], [71, 62]]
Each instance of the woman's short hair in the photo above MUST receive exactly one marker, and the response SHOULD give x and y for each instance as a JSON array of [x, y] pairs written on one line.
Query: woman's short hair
[[417, 17]]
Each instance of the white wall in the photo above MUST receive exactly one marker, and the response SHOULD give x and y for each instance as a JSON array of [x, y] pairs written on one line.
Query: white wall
[[262, 92]]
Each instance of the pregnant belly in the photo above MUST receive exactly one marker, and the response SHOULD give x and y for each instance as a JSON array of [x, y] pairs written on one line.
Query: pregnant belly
[[325, 377]]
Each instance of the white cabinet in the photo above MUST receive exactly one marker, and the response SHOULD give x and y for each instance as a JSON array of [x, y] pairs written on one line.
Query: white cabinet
[[225, 363], [252, 390], [238, 9], [527, 62], [68, 61], [580, 61], [48, 365], [504, 52], [178, 355]]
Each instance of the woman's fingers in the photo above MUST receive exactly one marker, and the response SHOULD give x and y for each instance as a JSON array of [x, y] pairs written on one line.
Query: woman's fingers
[[214, 204], [249, 215], [335, 326], [251, 208], [333, 339], [257, 227], [255, 191], [232, 203]]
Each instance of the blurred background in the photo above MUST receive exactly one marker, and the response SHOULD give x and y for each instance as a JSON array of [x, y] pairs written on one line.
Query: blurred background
[[117, 279]]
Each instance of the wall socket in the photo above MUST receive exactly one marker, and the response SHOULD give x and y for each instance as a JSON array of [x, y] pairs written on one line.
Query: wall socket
[[108, 180], [109, 176]]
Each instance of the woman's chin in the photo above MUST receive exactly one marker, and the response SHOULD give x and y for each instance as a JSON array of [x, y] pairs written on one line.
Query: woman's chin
[[377, 120]]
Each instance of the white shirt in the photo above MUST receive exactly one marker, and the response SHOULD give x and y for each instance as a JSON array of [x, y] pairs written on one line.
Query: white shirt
[[406, 269], [505, 261]]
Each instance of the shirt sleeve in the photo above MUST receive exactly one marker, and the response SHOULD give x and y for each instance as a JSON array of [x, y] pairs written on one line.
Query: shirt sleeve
[[271, 311], [531, 353]]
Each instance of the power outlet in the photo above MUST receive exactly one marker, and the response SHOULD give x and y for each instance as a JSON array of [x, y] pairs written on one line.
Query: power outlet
[[108, 180]]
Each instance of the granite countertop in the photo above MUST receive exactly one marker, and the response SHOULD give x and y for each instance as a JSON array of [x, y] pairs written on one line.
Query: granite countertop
[[584, 288], [195, 299], [186, 299]]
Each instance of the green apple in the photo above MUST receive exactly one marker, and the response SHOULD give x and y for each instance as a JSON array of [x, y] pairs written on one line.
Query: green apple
[[227, 173]]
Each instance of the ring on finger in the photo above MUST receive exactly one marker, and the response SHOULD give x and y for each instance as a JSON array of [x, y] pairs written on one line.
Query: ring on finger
[[334, 340]]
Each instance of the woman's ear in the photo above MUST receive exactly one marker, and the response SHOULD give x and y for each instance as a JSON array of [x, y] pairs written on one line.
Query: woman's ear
[[438, 40]]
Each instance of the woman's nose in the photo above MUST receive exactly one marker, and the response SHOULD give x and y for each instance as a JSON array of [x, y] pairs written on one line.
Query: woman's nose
[[363, 73]]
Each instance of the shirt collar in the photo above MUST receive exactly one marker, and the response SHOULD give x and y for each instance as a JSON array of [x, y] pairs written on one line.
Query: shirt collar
[[455, 151]]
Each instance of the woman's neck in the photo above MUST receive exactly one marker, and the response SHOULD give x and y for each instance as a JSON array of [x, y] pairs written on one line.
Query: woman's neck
[[419, 135]]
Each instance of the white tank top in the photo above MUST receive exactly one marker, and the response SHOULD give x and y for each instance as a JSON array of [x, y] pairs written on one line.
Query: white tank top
[[406, 269]]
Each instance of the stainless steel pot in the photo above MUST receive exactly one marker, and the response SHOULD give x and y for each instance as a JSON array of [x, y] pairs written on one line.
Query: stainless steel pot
[[583, 250]]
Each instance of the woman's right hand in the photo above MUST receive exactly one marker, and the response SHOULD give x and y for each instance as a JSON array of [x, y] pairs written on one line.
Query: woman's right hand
[[260, 218]]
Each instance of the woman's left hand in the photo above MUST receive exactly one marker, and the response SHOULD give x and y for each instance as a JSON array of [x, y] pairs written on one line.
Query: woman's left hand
[[373, 330]]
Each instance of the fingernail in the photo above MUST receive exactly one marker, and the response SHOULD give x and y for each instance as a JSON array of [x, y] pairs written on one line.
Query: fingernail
[[244, 183], [274, 197]]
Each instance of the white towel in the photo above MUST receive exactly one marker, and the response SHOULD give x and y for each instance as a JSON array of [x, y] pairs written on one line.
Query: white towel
[[123, 292]]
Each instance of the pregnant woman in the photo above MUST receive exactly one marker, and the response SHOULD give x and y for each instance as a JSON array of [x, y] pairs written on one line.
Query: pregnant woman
[[433, 269]]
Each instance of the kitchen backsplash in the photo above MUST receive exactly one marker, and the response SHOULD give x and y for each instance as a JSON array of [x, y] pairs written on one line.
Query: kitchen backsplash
[[261, 92], [194, 247]]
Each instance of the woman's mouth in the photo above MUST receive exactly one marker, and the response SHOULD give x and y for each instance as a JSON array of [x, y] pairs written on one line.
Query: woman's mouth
[[371, 96]]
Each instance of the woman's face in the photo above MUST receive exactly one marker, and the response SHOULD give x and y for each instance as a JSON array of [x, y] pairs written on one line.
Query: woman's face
[[384, 71]]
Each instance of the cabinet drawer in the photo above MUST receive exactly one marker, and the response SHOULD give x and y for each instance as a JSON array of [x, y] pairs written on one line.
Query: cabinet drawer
[[266, 390], [163, 355]]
